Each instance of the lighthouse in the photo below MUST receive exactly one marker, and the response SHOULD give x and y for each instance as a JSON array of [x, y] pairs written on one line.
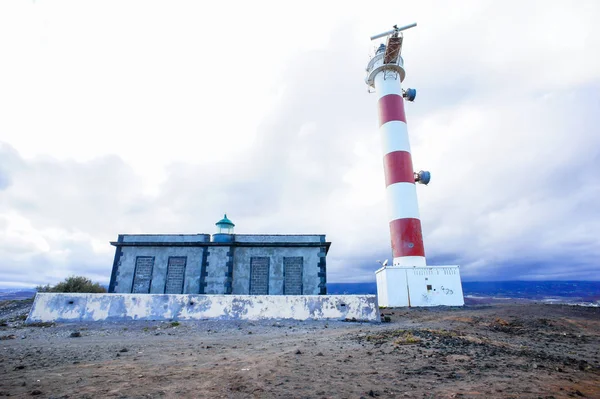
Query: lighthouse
[[408, 281]]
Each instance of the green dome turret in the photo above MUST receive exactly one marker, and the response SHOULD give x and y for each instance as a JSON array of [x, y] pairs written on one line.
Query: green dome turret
[[225, 225]]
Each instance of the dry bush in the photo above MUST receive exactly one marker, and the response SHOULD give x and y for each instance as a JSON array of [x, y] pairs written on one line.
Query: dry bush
[[74, 284], [407, 339]]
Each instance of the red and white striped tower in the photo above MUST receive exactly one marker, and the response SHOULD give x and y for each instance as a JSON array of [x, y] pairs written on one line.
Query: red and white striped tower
[[385, 74]]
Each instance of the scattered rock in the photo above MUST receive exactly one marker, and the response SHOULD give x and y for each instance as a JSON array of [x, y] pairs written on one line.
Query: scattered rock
[[124, 350], [41, 324], [75, 334], [10, 336], [19, 367], [36, 392], [298, 352]]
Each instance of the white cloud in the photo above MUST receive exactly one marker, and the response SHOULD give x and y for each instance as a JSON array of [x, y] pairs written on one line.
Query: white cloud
[[155, 117]]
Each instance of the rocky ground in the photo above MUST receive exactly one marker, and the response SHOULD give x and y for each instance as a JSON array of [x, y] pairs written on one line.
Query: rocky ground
[[479, 351]]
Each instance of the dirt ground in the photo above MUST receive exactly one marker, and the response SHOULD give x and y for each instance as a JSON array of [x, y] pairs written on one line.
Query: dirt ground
[[480, 351]]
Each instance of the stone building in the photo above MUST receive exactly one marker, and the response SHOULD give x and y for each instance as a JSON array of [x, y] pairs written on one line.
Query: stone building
[[224, 263]]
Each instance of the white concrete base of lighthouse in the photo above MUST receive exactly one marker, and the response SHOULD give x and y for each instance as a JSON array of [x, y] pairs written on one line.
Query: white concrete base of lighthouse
[[419, 286]]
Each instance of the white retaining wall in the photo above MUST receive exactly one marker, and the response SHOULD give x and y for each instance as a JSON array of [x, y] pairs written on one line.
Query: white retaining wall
[[49, 307]]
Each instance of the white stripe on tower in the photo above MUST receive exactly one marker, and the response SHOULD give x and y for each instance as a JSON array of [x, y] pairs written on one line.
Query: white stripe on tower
[[394, 137], [401, 193]]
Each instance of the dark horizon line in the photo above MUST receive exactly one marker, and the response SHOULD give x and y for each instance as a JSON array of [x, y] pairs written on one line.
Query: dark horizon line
[[491, 281]]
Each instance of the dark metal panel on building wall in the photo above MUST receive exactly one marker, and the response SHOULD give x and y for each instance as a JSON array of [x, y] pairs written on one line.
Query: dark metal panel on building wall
[[292, 275], [116, 264], [203, 272], [259, 275], [175, 274], [229, 272], [323, 267], [142, 278]]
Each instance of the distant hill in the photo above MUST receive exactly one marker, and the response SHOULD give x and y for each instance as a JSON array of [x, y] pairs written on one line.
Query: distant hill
[[584, 290], [538, 290], [8, 294], [351, 288]]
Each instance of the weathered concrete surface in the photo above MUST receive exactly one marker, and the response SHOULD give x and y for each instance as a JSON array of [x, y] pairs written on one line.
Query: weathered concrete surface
[[117, 307], [399, 286]]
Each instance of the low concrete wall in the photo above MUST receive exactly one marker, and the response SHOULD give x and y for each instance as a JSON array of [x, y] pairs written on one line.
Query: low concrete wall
[[119, 307]]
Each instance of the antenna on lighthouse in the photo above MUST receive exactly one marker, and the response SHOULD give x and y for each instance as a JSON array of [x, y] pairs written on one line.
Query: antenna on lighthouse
[[390, 54], [394, 31]]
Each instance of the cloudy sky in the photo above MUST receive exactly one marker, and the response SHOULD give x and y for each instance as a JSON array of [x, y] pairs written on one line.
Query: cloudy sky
[[158, 117]]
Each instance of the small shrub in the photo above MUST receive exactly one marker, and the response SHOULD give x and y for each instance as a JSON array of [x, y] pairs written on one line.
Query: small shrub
[[43, 288], [175, 323], [407, 339], [74, 284]]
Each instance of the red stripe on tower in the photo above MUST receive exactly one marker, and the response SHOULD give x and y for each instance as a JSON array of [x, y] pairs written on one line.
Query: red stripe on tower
[[407, 238], [398, 168], [391, 108]]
